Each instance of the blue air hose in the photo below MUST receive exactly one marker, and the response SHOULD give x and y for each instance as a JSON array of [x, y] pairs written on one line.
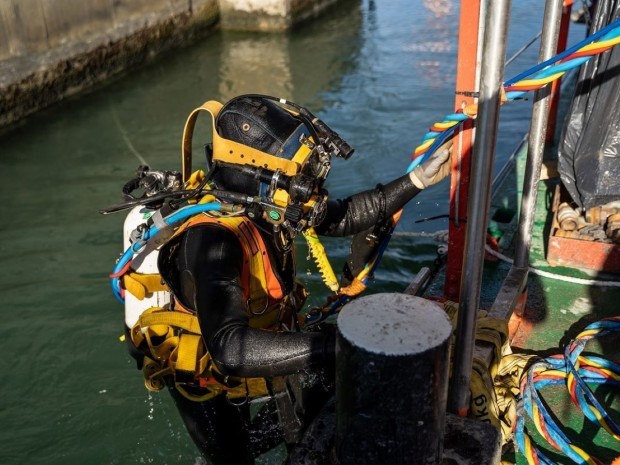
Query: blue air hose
[[135, 248]]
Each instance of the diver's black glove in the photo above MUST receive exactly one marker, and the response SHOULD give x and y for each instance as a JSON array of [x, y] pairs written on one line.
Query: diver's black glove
[[329, 351], [328, 330], [434, 169]]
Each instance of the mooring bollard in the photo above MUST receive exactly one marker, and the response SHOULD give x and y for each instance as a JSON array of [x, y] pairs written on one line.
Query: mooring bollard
[[391, 382]]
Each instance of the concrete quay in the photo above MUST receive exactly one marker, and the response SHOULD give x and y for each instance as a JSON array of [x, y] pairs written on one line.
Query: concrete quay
[[52, 49]]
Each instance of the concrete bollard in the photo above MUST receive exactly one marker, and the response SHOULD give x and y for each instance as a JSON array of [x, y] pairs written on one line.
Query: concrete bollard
[[392, 357]]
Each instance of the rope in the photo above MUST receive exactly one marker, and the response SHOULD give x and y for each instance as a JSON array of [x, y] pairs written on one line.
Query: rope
[[546, 274], [517, 87], [442, 236], [577, 372], [519, 52]]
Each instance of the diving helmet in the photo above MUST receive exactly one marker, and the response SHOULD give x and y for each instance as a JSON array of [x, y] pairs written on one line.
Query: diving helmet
[[278, 152]]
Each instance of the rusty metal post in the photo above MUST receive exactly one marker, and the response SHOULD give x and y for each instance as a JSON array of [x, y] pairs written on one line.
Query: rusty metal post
[[536, 142], [469, 51]]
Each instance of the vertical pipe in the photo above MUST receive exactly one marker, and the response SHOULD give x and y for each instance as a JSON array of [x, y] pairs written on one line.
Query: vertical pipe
[[466, 87], [536, 142], [493, 59], [391, 383]]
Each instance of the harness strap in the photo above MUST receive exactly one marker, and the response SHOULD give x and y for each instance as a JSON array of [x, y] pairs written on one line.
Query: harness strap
[[180, 320], [261, 292], [189, 352], [185, 357], [140, 284], [172, 339]]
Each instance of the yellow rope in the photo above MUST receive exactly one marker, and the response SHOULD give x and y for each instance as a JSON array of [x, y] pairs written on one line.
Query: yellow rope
[[320, 257]]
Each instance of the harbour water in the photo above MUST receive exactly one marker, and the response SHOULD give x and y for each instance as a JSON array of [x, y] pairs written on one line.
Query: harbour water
[[380, 73]]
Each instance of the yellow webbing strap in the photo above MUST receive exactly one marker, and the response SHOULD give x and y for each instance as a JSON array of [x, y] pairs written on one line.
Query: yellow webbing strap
[[494, 388], [140, 285], [495, 332], [483, 403], [188, 350], [183, 353], [180, 320], [156, 327], [154, 374], [213, 108]]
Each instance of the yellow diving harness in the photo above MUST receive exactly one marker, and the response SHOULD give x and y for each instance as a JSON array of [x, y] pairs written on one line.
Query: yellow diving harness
[[169, 335], [172, 339]]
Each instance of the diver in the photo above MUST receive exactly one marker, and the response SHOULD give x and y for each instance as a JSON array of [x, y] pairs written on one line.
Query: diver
[[235, 273]]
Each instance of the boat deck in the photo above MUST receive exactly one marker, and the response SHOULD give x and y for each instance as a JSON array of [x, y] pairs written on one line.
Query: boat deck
[[556, 311]]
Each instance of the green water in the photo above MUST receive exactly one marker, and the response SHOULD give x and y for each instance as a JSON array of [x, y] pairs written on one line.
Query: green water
[[379, 72]]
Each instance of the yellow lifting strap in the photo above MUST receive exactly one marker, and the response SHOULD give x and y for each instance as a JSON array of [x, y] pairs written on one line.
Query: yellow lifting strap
[[494, 388], [140, 285]]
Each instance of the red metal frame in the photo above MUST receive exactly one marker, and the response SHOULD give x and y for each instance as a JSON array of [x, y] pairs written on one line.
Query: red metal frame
[[555, 86], [463, 142]]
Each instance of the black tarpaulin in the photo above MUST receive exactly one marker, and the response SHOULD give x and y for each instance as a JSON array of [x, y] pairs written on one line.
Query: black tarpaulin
[[589, 151]]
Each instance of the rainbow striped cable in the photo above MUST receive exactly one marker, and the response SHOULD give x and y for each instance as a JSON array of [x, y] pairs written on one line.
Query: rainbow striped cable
[[577, 372], [533, 79]]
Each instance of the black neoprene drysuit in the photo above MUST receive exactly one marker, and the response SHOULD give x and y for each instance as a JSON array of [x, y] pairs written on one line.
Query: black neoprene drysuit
[[203, 267]]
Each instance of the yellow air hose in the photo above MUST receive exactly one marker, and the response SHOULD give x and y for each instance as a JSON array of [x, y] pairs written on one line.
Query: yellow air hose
[[320, 257]]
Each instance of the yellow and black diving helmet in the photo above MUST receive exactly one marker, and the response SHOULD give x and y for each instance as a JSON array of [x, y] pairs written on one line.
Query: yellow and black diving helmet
[[276, 152]]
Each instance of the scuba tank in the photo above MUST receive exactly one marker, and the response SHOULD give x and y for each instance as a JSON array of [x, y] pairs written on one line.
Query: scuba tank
[[144, 263], [140, 194]]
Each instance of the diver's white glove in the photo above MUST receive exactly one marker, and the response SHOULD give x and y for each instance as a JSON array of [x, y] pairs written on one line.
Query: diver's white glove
[[434, 169]]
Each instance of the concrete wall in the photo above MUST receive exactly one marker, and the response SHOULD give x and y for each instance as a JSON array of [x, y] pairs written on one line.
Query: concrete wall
[[268, 15], [50, 49], [33, 26]]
